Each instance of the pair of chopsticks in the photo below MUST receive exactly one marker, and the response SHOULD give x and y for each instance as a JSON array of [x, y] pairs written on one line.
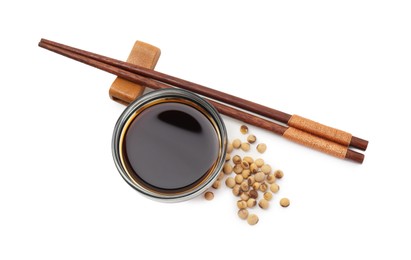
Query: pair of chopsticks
[[301, 130]]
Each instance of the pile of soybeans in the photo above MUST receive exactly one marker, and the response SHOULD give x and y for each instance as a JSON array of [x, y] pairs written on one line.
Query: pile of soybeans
[[253, 181]]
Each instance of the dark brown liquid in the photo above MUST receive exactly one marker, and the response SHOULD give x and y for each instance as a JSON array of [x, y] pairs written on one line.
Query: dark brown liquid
[[170, 147]]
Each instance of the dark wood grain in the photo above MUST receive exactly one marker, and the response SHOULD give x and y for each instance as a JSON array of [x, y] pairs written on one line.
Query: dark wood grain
[[197, 88], [359, 143], [222, 108], [354, 156]]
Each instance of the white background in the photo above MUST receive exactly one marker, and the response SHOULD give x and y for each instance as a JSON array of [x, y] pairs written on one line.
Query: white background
[[343, 63]]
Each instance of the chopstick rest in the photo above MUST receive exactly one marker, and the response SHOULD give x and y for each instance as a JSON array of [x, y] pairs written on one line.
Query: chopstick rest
[[144, 55]]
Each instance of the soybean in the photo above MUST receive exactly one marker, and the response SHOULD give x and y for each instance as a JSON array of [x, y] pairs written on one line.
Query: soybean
[[251, 203], [238, 169], [236, 159], [274, 188], [209, 195], [279, 174], [284, 202], [236, 143], [253, 168], [245, 147], [241, 204], [263, 204], [239, 178], [253, 194], [263, 187], [220, 176], [268, 196], [243, 213], [245, 173], [271, 178], [244, 186], [244, 196], [244, 129], [250, 180], [248, 159], [230, 182], [259, 162], [245, 164], [252, 219], [227, 157], [261, 148], [217, 184], [229, 147], [227, 168], [251, 139], [266, 168], [256, 186], [259, 176], [236, 190]]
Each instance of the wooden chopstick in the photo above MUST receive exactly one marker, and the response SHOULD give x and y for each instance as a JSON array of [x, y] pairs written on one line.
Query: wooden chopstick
[[320, 130], [290, 133]]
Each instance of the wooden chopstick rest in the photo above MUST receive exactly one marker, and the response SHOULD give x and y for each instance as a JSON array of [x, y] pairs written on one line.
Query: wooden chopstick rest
[[144, 55]]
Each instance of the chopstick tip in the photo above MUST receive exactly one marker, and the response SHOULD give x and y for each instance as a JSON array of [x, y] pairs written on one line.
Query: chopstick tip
[[355, 156]]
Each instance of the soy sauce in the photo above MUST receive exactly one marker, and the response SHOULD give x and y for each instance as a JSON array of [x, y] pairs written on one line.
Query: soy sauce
[[170, 146]]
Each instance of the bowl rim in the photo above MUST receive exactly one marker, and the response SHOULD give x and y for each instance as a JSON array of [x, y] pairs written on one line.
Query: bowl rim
[[166, 94]]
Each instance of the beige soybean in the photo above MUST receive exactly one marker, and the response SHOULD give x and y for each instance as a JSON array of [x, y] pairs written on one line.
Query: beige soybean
[[274, 188], [245, 147], [268, 196], [244, 186], [244, 196], [245, 173], [252, 219], [263, 187], [238, 169], [270, 178], [251, 139], [220, 176], [279, 174], [209, 195], [230, 182], [237, 159], [245, 164], [239, 178], [229, 147], [251, 203], [241, 204], [266, 169], [250, 180], [227, 157], [217, 184], [253, 168], [248, 159], [236, 143], [256, 186], [227, 168], [244, 129], [259, 177], [236, 190], [284, 202], [263, 204], [243, 213], [261, 148], [259, 162]]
